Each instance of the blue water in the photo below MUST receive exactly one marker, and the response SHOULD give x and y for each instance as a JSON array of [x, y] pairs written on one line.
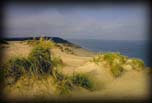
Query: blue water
[[137, 49]]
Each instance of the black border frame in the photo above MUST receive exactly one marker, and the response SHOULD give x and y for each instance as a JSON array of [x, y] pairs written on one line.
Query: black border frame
[[2, 29]]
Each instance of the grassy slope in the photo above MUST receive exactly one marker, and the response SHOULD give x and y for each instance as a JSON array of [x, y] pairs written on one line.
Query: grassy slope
[[131, 84]]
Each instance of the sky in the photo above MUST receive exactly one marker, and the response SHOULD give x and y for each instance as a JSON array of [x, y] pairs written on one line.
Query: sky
[[106, 22]]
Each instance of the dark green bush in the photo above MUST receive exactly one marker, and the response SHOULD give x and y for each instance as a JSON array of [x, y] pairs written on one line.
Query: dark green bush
[[16, 67], [82, 80], [19, 65], [40, 59]]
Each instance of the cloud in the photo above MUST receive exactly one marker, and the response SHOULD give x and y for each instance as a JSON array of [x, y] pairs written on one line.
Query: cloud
[[106, 23]]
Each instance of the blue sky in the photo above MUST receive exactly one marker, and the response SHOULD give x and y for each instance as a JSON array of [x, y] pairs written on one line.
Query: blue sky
[[114, 22]]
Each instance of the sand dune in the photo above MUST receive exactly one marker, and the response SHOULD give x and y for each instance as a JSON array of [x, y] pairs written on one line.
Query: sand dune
[[132, 84]]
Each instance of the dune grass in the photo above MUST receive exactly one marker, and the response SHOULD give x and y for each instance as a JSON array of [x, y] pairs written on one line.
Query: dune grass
[[117, 70], [137, 64], [15, 68], [66, 84], [40, 59], [44, 42], [63, 83], [82, 80], [116, 62], [57, 62], [40, 63]]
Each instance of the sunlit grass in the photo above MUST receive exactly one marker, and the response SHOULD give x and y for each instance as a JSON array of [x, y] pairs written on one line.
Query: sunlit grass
[[117, 62], [117, 70], [44, 42], [57, 62]]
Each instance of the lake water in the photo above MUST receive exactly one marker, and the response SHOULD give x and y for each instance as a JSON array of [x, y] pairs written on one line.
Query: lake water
[[137, 49]]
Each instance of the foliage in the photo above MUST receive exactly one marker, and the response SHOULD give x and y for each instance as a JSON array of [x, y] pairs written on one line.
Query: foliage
[[117, 70], [57, 75], [137, 64], [40, 59], [115, 60], [97, 59], [16, 67], [82, 80], [37, 62], [66, 84], [44, 42], [63, 83]]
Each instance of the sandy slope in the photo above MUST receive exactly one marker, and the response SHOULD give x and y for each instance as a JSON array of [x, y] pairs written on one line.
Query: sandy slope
[[132, 84]]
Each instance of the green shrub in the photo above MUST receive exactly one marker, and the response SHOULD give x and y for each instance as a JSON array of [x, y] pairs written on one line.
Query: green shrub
[[46, 43], [137, 64], [112, 57], [109, 57], [117, 70], [16, 67], [116, 61], [82, 80], [40, 59], [64, 84], [19, 65]]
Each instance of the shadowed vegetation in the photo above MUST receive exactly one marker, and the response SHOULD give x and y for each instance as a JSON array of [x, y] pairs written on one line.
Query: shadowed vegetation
[[63, 83], [66, 84], [40, 59], [82, 80], [15, 68]]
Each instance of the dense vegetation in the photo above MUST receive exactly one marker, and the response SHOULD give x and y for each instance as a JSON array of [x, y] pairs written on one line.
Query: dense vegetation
[[118, 63], [40, 63]]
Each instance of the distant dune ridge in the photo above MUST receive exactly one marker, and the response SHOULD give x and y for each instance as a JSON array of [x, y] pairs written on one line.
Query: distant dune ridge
[[74, 71], [55, 39]]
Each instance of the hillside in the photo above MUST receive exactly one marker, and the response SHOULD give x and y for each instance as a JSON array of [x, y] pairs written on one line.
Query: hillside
[[79, 73]]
